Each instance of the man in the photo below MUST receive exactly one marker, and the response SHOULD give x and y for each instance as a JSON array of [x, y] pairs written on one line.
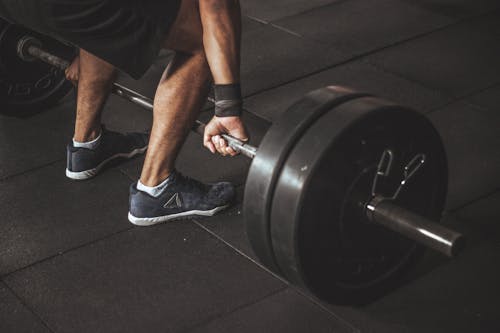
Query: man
[[127, 35]]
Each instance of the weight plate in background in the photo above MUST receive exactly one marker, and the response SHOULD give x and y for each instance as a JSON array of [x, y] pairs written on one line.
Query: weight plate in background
[[320, 236], [29, 87], [273, 150]]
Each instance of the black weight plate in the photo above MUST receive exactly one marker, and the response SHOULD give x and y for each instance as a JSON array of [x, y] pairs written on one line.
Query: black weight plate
[[27, 87], [272, 151], [320, 236]]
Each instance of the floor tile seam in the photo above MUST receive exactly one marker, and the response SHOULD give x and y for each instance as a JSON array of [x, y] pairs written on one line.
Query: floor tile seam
[[453, 20], [308, 10], [417, 83], [31, 170], [451, 98], [7, 275], [348, 59], [123, 172], [375, 49], [333, 3], [363, 55], [288, 284], [478, 198], [465, 99], [234, 310], [256, 19], [422, 7], [317, 72], [28, 307]]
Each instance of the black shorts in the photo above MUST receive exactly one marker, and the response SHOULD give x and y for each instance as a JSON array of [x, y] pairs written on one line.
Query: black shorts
[[125, 33]]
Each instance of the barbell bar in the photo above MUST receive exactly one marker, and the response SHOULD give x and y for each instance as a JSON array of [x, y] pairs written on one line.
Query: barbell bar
[[373, 207], [380, 211], [29, 48]]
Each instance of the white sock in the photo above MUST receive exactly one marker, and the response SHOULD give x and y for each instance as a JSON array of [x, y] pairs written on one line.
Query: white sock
[[89, 145], [153, 191]]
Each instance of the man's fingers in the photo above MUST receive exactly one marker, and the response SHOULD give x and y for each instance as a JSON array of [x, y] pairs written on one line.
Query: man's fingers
[[231, 151], [216, 140], [210, 147]]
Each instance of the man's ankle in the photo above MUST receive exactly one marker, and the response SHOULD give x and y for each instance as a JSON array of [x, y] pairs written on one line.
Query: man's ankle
[[87, 136], [154, 190], [89, 141]]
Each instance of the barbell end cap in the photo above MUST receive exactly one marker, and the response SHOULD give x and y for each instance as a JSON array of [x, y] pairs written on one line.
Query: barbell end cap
[[23, 46], [458, 246]]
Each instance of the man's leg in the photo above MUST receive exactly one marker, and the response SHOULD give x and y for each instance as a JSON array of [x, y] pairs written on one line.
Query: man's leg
[[93, 146], [179, 97], [95, 80], [162, 194], [178, 100]]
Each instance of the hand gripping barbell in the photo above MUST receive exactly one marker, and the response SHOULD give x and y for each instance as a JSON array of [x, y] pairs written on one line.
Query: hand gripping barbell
[[342, 191]]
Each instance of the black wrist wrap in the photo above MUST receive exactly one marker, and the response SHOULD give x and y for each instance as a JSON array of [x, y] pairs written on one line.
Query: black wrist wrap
[[228, 100]]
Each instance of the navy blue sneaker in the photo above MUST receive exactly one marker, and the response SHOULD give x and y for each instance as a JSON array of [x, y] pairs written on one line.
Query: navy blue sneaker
[[85, 163], [183, 197]]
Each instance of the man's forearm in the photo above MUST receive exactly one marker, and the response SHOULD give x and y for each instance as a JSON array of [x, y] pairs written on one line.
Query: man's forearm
[[221, 20]]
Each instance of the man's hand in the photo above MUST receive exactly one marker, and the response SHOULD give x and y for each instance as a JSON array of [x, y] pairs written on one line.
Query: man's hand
[[223, 125], [73, 71]]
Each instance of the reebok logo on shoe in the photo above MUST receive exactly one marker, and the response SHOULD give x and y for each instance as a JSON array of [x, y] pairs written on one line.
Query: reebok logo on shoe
[[173, 202]]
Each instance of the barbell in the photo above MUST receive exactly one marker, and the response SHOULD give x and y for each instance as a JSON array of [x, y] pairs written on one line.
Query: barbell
[[342, 193]]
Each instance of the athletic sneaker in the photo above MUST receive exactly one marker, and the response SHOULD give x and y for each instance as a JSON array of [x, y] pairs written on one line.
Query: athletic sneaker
[[85, 163], [183, 197]]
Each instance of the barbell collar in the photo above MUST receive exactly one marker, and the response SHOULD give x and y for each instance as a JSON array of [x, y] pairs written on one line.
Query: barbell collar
[[29, 47], [414, 226]]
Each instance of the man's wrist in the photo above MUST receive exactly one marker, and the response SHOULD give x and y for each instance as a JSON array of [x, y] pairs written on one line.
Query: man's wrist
[[228, 100]]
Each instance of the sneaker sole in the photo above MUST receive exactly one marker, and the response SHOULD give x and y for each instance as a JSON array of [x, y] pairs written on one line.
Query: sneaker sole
[[86, 174], [147, 221]]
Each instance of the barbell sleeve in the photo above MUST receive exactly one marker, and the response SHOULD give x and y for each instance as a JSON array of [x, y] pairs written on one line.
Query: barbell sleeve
[[415, 227], [28, 46]]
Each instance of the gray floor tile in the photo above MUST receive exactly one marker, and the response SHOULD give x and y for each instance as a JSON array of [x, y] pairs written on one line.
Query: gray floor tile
[[159, 279], [272, 10], [286, 311], [44, 213], [271, 57], [489, 98], [481, 218], [15, 317], [196, 161], [461, 296], [472, 143], [457, 8], [444, 295], [32, 142], [357, 75], [352, 27], [230, 226], [458, 60], [490, 22]]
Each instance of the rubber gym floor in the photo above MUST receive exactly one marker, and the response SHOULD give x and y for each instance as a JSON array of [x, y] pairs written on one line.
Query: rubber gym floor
[[71, 262]]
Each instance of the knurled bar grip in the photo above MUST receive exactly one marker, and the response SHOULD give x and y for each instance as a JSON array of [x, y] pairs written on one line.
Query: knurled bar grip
[[136, 98], [416, 227]]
